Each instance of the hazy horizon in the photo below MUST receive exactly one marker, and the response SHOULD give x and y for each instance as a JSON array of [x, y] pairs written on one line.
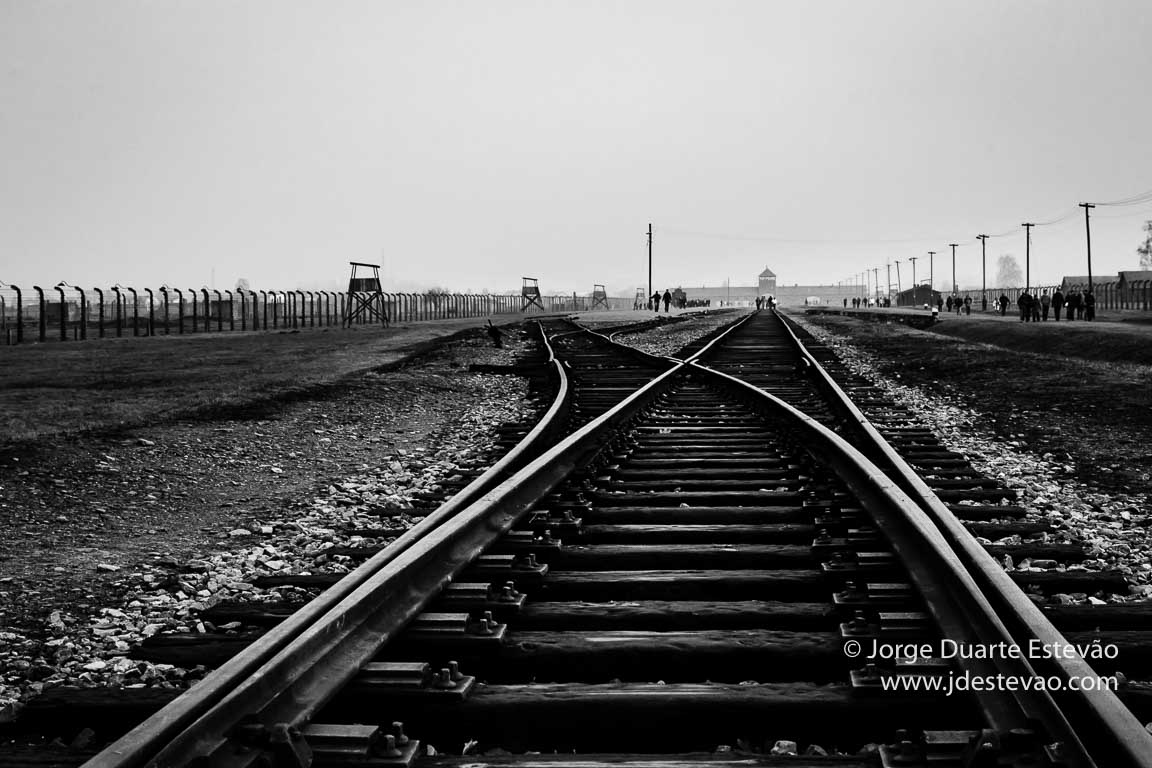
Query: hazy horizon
[[464, 145]]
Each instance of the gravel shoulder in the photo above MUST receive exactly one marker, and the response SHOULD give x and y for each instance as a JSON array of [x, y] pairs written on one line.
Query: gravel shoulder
[[667, 340], [112, 537], [122, 534], [1070, 436]]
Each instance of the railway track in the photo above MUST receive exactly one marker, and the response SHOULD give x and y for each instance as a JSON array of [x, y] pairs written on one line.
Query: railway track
[[677, 581]]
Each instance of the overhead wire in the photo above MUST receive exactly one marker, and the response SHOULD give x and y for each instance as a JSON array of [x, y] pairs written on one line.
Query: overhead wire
[[1143, 197], [1135, 200], [768, 239]]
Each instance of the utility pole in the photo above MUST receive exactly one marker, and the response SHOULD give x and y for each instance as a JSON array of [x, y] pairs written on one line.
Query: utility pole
[[931, 274], [897, 282], [888, 285], [984, 271], [915, 293], [1088, 233], [1027, 255], [649, 261], [953, 266], [876, 280]]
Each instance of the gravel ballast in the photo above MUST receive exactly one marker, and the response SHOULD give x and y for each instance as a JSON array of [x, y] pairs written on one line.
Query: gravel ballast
[[1114, 526], [127, 537]]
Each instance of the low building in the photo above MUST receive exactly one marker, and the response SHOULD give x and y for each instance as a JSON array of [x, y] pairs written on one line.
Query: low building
[[767, 284]]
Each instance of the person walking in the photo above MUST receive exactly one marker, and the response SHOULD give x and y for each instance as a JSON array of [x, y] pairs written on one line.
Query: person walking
[[1089, 306], [949, 305], [1003, 302], [654, 302], [1045, 300], [667, 301], [1080, 305], [1070, 306], [1024, 303], [967, 305], [1035, 308], [1057, 304]]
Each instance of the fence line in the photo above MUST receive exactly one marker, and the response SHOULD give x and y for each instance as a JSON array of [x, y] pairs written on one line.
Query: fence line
[[67, 312], [1136, 296]]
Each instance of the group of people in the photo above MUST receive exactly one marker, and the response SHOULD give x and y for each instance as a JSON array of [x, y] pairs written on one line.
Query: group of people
[[765, 302], [955, 304], [655, 299], [857, 303], [1076, 305]]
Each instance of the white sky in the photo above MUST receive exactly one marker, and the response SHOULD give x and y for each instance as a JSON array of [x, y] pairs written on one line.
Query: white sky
[[466, 144]]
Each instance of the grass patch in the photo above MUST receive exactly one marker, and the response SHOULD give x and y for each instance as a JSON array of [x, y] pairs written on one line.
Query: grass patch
[[1105, 342], [116, 384]]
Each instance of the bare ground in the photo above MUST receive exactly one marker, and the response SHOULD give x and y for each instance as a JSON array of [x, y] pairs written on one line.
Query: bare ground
[[1081, 391], [81, 511]]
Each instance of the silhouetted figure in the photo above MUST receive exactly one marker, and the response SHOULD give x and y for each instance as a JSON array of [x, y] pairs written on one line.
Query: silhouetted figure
[[1045, 300], [1057, 304], [1003, 302], [1089, 306], [667, 301]]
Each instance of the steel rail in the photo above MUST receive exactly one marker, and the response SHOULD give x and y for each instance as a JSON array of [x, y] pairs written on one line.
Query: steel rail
[[286, 657], [951, 594], [291, 686], [133, 748], [1121, 739], [720, 333]]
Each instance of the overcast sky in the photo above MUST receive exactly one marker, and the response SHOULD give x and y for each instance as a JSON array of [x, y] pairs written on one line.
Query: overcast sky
[[467, 144]]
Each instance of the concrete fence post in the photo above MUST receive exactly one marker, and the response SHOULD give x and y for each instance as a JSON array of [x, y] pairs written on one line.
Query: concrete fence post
[[83, 313], [100, 317], [151, 313], [43, 314], [167, 310], [63, 314], [119, 312]]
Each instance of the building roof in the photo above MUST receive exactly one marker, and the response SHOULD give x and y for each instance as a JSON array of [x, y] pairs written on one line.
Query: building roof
[[767, 273], [1079, 280], [1132, 275]]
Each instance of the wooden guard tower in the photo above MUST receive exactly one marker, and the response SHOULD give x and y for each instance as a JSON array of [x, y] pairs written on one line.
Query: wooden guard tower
[[599, 296], [530, 294], [641, 300], [365, 298]]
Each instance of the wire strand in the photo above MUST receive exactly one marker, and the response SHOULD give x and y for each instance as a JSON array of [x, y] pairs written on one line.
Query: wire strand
[[1143, 197], [1135, 200]]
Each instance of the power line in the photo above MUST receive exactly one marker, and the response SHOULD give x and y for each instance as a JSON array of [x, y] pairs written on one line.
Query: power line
[[1058, 219], [1142, 198], [769, 239]]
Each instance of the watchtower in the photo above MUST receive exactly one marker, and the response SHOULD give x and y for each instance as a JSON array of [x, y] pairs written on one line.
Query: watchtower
[[641, 299], [365, 298], [599, 296], [530, 294]]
